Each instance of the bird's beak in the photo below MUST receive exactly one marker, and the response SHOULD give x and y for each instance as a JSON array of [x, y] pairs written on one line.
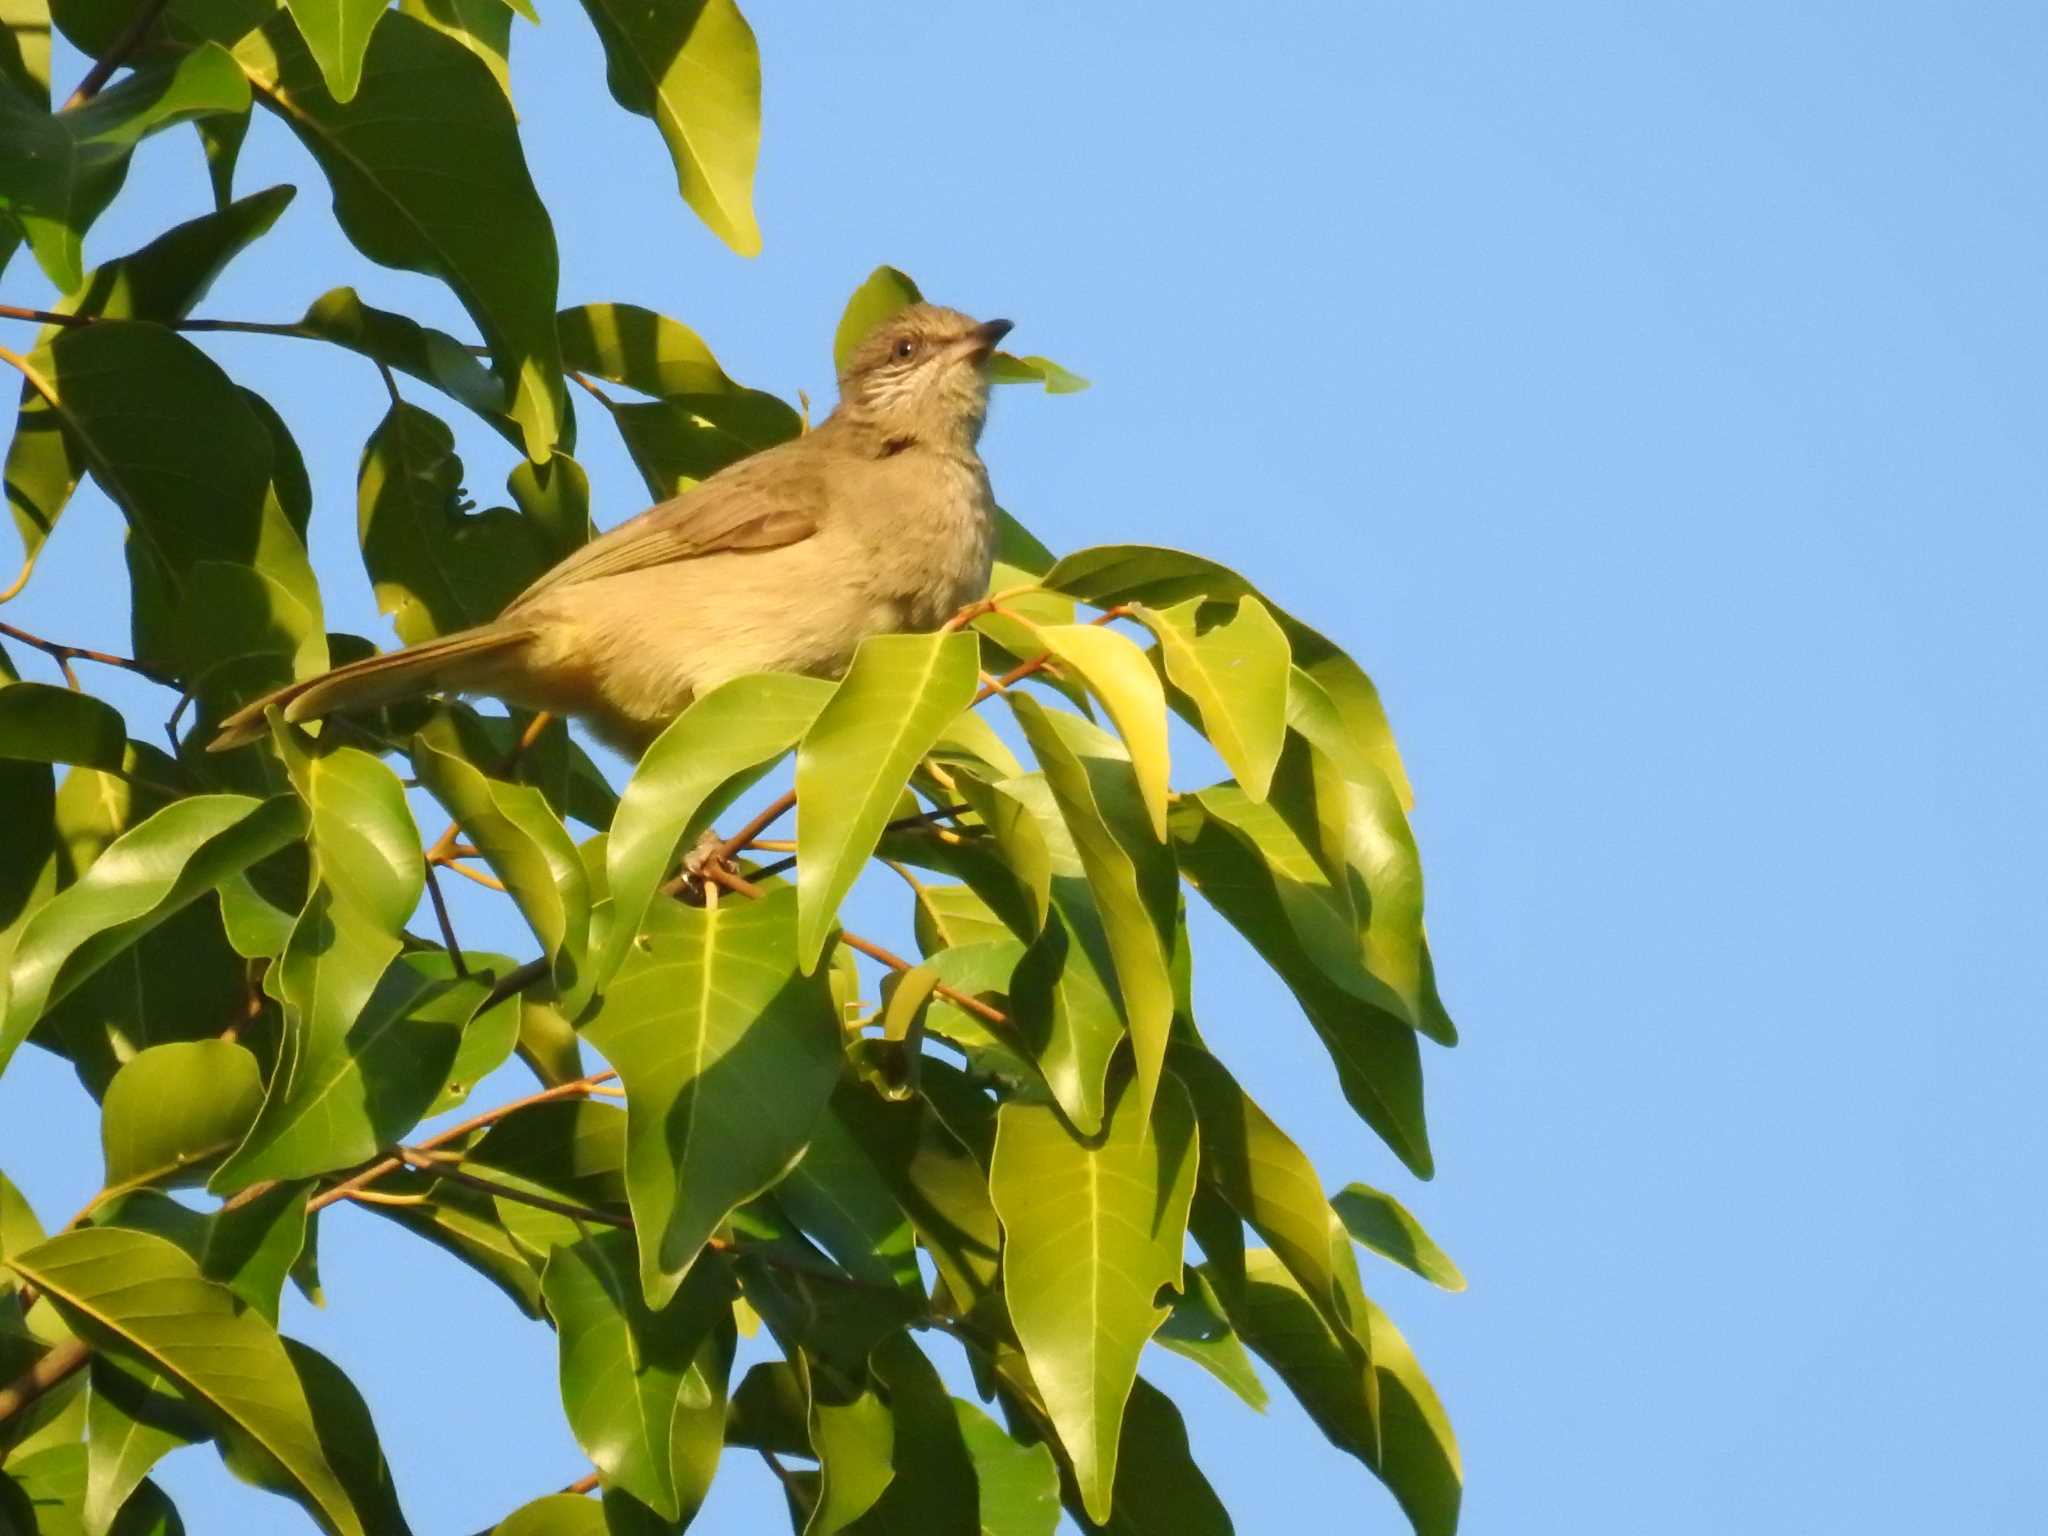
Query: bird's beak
[[983, 338]]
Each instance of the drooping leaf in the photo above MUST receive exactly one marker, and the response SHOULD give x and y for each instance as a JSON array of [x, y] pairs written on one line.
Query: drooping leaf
[[728, 1054], [436, 567], [1160, 1491], [143, 877], [644, 1388], [1414, 1452], [401, 342], [886, 713], [337, 32], [853, 1435], [934, 1487], [699, 765], [42, 724], [145, 1299], [1235, 671], [692, 66], [640, 349], [1117, 673], [428, 175], [526, 846], [884, 292], [1378, 1062], [687, 438], [484, 27], [1198, 1330], [67, 166], [1384, 1225], [175, 1108], [1130, 875], [1137, 573], [1018, 1485], [1091, 1235]]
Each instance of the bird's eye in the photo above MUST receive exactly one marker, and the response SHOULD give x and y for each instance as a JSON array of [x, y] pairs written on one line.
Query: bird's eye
[[906, 349]]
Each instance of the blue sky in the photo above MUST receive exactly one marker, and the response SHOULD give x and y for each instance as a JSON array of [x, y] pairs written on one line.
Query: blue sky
[[1651, 397]]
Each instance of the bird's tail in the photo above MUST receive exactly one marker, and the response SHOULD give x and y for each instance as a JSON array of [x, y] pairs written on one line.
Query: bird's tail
[[372, 681]]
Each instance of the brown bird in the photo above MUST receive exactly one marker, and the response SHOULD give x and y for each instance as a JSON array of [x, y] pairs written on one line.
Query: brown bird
[[879, 520]]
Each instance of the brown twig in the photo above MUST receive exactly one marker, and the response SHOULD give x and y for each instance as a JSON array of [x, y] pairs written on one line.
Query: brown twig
[[1038, 663], [488, 882], [584, 1484], [59, 1361], [441, 916], [64, 655], [117, 52]]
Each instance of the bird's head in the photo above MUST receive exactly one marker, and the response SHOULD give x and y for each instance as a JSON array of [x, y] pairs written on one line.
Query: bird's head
[[921, 376]]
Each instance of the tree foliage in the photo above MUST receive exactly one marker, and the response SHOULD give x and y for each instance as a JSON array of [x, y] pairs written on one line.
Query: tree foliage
[[1019, 1140]]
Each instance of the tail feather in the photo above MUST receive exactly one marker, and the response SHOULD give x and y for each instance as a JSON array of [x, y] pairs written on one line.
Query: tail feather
[[369, 682]]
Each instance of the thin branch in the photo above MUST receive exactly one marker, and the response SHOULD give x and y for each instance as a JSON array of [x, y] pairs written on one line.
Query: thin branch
[[1038, 663], [62, 1359], [441, 916], [291, 328], [117, 52], [765, 818], [430, 1164], [64, 655], [584, 1484], [782, 1473], [488, 882]]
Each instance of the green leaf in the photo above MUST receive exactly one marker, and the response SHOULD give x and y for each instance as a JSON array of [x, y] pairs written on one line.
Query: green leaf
[[526, 846], [1198, 1330], [132, 1422], [558, 1514], [687, 438], [884, 293], [145, 1299], [146, 875], [484, 27], [54, 1479], [1236, 672], [1091, 1234], [67, 166], [572, 1149], [1004, 368], [1269, 1182], [640, 349], [728, 1054], [644, 1389], [400, 342], [887, 712], [1159, 1489], [705, 759], [338, 34], [1379, 1065], [1347, 814], [1139, 573], [1130, 875], [176, 446], [436, 567], [1018, 1485], [855, 1443], [1117, 673], [1414, 1453], [19, 1230], [25, 48], [465, 1223], [428, 176], [840, 1201], [41, 724], [175, 1108], [1384, 1225], [934, 1486], [692, 66], [488, 1037]]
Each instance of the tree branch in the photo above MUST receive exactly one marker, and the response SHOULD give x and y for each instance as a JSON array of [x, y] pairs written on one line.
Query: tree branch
[[117, 52]]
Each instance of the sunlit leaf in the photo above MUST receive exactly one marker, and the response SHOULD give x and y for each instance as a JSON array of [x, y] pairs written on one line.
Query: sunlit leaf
[[144, 1298], [1197, 1330], [681, 440], [428, 175], [1018, 1485], [1117, 673], [1130, 875], [1414, 1453], [853, 762], [143, 877], [175, 1108], [639, 348], [692, 66], [727, 1053], [338, 34], [703, 761], [1384, 1225], [484, 27], [67, 166], [934, 1487], [55, 1481], [1235, 671], [132, 1421], [884, 291], [558, 1514], [42, 724], [1091, 1235], [644, 1389]]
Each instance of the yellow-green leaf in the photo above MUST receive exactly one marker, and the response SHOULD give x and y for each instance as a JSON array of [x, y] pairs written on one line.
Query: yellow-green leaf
[[1118, 674], [1235, 672]]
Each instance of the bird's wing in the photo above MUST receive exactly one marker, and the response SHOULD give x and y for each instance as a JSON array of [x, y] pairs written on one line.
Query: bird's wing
[[759, 503]]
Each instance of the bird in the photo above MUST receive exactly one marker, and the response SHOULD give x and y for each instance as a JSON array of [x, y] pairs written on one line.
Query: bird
[[879, 520]]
